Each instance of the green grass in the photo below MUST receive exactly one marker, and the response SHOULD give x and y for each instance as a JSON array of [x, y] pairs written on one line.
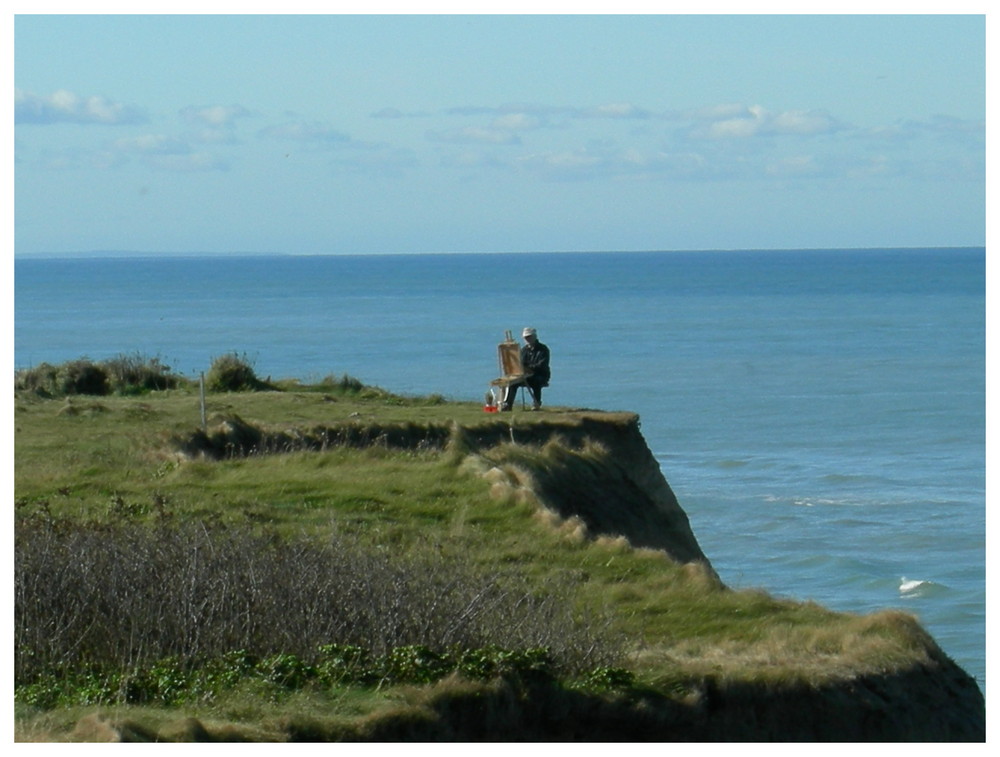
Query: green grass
[[111, 458]]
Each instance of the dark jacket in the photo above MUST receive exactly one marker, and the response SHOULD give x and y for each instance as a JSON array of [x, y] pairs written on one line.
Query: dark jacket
[[535, 360]]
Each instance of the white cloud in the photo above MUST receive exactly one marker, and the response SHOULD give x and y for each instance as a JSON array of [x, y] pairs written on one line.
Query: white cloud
[[614, 110], [734, 128], [743, 122], [168, 153], [378, 161], [803, 122], [77, 158], [153, 150], [153, 144], [216, 116], [195, 162], [796, 165], [592, 163], [468, 159], [475, 135], [64, 106], [945, 129], [876, 166], [210, 136], [572, 161], [722, 142], [516, 122], [971, 133], [215, 124], [312, 132], [714, 112], [542, 113], [892, 132]]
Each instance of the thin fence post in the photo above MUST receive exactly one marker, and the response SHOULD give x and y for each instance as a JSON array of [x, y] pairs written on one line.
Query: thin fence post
[[201, 391]]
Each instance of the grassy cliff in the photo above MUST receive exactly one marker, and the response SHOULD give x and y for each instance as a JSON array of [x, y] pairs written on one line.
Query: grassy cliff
[[334, 562]]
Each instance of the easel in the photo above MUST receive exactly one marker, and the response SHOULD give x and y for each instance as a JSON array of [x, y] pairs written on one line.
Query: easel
[[509, 358]]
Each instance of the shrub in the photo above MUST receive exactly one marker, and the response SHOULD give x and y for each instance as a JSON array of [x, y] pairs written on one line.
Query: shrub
[[170, 681], [606, 678], [127, 374], [345, 384], [232, 373], [82, 377], [75, 377], [344, 662], [287, 671], [415, 663], [134, 373], [41, 379]]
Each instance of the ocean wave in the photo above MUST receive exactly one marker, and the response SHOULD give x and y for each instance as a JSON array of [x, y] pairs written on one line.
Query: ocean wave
[[915, 588], [849, 478], [826, 501]]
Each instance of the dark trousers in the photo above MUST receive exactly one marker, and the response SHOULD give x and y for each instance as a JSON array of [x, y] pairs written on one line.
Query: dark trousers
[[534, 387]]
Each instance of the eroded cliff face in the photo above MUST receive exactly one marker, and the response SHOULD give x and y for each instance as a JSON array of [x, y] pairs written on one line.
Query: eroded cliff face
[[596, 467]]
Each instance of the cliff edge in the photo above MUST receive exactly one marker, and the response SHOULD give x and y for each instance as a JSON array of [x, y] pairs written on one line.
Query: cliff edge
[[591, 465], [595, 468]]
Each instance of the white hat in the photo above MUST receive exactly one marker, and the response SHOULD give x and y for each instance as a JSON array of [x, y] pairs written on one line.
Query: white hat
[[528, 332]]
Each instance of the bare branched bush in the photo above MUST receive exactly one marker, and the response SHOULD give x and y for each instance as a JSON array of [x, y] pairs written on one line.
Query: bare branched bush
[[126, 595]]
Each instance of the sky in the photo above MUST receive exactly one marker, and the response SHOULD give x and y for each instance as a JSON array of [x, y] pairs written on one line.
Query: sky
[[394, 133]]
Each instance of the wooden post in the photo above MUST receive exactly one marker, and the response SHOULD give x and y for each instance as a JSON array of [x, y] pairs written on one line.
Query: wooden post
[[201, 391]]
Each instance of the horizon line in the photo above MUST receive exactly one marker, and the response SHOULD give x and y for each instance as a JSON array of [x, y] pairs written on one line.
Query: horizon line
[[116, 254]]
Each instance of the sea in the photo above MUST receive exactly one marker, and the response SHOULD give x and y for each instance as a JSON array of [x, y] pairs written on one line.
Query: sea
[[820, 414]]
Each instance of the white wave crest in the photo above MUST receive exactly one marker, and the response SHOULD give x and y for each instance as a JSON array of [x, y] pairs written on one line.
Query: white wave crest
[[913, 587]]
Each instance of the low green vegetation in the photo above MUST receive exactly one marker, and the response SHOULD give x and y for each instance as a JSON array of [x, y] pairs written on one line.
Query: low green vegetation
[[170, 682], [337, 577], [124, 374]]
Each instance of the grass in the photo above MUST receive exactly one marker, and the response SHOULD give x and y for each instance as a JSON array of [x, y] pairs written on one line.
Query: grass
[[112, 460]]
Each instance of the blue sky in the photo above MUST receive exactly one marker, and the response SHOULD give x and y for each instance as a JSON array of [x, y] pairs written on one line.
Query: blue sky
[[400, 133]]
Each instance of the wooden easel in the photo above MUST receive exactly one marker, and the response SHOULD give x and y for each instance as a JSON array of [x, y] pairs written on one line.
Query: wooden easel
[[509, 358]]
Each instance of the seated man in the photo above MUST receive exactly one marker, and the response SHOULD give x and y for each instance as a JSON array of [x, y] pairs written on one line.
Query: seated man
[[535, 362]]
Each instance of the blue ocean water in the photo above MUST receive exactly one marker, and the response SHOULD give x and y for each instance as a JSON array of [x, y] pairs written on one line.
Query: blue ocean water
[[819, 414]]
